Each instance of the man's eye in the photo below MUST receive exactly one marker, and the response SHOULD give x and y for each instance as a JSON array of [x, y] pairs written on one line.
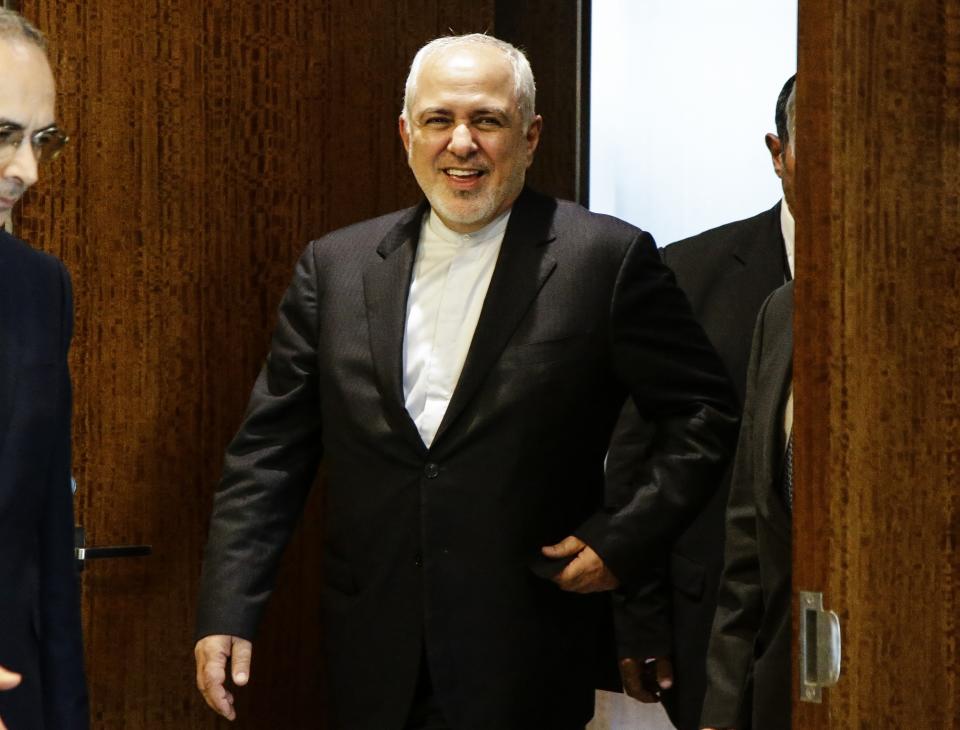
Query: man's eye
[[436, 121], [488, 122], [10, 135]]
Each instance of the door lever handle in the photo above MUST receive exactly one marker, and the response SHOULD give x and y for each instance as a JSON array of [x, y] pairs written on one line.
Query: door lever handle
[[82, 553]]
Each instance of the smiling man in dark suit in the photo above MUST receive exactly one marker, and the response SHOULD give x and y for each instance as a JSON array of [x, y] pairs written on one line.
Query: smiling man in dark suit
[[727, 273], [39, 604], [459, 367]]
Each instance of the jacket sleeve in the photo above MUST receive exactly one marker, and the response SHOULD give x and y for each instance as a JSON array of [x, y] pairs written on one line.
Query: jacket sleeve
[[641, 614], [268, 469], [642, 619], [679, 384], [64, 685], [739, 611]]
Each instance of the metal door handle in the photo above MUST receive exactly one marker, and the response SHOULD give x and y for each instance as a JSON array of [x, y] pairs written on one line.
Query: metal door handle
[[819, 647]]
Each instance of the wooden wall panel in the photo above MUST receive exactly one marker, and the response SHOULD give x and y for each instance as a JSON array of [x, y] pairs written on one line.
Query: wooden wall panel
[[210, 142], [556, 38], [878, 353]]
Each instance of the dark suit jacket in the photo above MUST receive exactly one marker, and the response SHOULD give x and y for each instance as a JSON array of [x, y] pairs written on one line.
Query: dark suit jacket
[[726, 273], [430, 547], [39, 602], [751, 631]]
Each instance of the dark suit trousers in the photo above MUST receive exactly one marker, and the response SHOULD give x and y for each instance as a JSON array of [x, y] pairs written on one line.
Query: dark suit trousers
[[425, 712]]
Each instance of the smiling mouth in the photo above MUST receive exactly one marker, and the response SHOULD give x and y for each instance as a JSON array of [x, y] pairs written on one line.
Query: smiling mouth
[[460, 173]]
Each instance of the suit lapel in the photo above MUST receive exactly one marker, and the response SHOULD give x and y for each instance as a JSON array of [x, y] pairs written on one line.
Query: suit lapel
[[758, 251], [756, 266], [778, 374], [523, 266], [386, 283]]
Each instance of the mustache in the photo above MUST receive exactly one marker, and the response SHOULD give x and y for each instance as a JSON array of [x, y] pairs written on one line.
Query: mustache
[[464, 164]]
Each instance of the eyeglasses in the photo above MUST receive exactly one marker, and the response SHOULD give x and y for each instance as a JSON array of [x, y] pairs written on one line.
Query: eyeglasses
[[47, 143]]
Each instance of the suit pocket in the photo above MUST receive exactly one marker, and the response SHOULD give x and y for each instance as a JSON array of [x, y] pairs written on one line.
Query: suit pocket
[[686, 576], [338, 575]]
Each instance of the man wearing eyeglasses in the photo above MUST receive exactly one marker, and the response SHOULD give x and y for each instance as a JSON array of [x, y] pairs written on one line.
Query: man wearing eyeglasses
[[41, 653]]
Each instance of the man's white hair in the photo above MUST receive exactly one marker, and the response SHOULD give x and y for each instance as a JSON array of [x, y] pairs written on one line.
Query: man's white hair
[[525, 89], [14, 26]]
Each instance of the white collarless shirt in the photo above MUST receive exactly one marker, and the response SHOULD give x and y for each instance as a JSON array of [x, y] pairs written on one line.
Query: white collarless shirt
[[451, 275]]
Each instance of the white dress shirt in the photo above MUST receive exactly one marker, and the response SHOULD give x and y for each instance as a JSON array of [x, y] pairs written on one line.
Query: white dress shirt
[[787, 229], [451, 275]]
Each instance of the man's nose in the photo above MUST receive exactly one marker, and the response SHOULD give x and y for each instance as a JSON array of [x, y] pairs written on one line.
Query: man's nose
[[461, 141], [23, 165]]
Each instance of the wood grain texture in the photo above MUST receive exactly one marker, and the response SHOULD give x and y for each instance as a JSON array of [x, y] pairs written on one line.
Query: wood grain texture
[[555, 37], [210, 142], [878, 353]]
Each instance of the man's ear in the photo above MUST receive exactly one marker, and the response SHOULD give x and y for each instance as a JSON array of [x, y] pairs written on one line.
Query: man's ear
[[404, 133], [533, 137], [776, 152]]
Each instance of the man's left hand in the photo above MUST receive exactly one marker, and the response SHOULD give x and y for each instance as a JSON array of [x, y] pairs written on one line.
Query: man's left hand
[[587, 573]]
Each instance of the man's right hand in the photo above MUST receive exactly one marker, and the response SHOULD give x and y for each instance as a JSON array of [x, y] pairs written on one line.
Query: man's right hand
[[212, 653], [8, 680]]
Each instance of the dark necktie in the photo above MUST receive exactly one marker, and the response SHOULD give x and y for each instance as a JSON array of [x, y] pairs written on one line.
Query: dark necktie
[[788, 473]]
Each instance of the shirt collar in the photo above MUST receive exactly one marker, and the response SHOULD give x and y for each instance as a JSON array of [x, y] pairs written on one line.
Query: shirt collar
[[493, 230]]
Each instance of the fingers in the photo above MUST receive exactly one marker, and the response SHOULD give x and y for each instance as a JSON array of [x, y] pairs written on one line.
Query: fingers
[[573, 577], [211, 653], [645, 681], [568, 546], [664, 672], [587, 573], [632, 678], [8, 679], [240, 663]]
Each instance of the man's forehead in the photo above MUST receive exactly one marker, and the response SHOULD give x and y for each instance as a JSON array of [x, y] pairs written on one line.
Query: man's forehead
[[466, 60], [27, 88], [467, 70], [16, 51]]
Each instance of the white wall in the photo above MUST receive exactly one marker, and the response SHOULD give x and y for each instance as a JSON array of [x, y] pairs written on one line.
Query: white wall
[[682, 92]]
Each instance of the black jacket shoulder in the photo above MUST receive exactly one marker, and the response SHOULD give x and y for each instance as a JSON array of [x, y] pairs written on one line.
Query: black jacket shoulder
[[23, 261], [739, 238]]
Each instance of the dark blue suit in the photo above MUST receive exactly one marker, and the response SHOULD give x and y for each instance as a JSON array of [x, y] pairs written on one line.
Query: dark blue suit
[[39, 601]]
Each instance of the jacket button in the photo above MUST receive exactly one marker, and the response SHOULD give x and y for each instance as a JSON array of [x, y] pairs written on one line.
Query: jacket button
[[418, 560], [431, 471]]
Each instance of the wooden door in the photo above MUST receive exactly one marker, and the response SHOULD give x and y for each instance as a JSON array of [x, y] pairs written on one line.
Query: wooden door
[[211, 141], [877, 361]]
